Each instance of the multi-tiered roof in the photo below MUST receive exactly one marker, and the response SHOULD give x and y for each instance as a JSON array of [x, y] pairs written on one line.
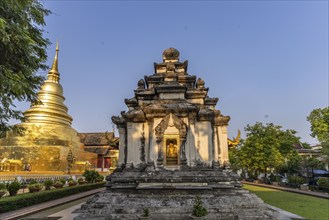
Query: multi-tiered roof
[[172, 90]]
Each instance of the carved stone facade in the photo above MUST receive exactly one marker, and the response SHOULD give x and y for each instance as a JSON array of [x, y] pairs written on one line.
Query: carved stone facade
[[172, 103], [172, 148]]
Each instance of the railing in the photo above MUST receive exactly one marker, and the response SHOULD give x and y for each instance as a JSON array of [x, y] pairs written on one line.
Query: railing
[[36, 177]]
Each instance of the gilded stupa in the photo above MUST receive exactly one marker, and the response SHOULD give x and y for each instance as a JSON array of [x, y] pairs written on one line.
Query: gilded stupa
[[49, 141]]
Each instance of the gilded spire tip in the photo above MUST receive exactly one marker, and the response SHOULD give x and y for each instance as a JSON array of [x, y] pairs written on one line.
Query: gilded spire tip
[[53, 73]]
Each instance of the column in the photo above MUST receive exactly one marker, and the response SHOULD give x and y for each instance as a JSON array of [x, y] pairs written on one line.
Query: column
[[160, 152], [122, 145], [150, 139]]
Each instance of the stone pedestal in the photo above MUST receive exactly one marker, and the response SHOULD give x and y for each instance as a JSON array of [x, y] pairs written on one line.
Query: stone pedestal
[[171, 194]]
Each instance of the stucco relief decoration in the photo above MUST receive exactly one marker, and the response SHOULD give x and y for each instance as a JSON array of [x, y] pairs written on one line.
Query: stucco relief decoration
[[177, 122], [141, 84]]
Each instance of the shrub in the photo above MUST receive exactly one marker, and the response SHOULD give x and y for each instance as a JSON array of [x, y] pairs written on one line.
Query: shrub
[[100, 178], [58, 184], [81, 181], [23, 185], [13, 188], [91, 175], [28, 199], [146, 212], [323, 181], [2, 192], [3, 189], [296, 180], [32, 182], [2, 186], [35, 187], [63, 181], [72, 183], [48, 184], [198, 209]]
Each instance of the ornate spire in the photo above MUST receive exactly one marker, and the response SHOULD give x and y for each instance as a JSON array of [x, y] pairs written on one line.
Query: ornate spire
[[52, 108], [53, 74]]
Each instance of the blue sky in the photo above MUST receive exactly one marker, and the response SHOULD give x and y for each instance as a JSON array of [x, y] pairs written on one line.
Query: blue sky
[[265, 61]]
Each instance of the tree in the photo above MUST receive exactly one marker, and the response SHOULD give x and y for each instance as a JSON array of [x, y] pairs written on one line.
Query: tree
[[22, 53], [319, 119], [91, 175], [266, 146]]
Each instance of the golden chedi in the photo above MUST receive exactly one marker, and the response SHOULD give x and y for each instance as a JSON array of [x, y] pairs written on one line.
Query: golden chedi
[[49, 141]]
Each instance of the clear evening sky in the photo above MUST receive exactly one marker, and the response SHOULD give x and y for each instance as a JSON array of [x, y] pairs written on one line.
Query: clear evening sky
[[265, 61]]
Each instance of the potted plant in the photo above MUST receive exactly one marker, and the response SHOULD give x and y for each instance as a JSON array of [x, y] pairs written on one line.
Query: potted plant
[[91, 175], [13, 188], [63, 181], [72, 182], [198, 210], [99, 179], [48, 184], [145, 215], [58, 184], [3, 189], [81, 181], [35, 187]]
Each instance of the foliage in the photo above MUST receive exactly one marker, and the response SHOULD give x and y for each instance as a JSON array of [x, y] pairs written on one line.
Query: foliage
[[296, 180], [91, 175], [100, 178], [33, 182], [35, 187], [2, 192], [293, 202], [319, 120], [198, 209], [146, 212], [3, 189], [63, 181], [28, 199], [72, 183], [22, 53], [265, 146], [80, 179], [323, 181], [2, 186], [58, 184], [48, 184], [13, 188]]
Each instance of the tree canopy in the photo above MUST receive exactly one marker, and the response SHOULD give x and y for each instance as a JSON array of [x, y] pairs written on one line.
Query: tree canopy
[[22, 54], [265, 146], [319, 119]]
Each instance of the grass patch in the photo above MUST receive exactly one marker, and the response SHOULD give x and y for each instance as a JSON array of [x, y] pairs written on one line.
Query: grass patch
[[306, 206]]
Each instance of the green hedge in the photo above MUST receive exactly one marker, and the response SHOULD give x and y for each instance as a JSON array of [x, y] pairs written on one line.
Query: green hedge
[[11, 203]]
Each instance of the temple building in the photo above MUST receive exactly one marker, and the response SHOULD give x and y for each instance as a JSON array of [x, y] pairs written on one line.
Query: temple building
[[173, 147], [49, 143], [105, 145]]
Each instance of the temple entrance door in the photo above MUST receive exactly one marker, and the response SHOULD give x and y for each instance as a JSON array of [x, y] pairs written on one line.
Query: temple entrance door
[[171, 150]]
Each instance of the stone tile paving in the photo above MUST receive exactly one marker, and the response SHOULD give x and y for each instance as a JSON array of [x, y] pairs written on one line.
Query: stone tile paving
[[20, 213]]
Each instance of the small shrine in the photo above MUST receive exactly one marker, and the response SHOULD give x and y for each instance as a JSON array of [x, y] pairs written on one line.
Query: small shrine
[[173, 147], [171, 121]]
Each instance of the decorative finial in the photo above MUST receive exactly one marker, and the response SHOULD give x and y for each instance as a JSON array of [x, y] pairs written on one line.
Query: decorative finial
[[53, 74], [55, 63], [170, 55]]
